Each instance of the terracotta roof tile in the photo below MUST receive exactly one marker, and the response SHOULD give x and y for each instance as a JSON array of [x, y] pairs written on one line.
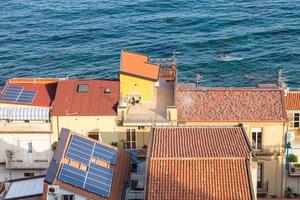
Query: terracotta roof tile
[[192, 163], [25, 132], [92, 103], [137, 64], [200, 142], [292, 101], [229, 104], [45, 90], [205, 179]]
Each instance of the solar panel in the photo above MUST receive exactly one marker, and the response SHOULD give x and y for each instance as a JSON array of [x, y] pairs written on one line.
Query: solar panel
[[27, 96], [82, 150], [105, 153], [72, 175], [11, 93], [99, 180], [18, 94]]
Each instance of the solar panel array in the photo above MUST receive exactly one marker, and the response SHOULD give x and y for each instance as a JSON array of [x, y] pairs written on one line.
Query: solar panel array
[[18, 94], [96, 179], [81, 150]]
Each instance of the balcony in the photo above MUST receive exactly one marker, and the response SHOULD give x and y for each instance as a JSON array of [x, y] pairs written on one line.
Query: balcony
[[268, 150], [20, 126], [15, 160], [136, 113], [294, 169]]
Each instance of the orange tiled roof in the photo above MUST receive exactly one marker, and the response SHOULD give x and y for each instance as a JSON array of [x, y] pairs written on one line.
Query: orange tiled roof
[[229, 104], [292, 101], [92, 103], [45, 88], [137, 64], [183, 166], [200, 142], [205, 179]]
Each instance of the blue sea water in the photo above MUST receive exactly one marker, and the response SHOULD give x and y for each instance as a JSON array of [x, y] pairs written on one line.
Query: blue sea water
[[83, 38]]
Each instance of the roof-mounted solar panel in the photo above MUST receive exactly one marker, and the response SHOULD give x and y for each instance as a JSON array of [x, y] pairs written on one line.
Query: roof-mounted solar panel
[[18, 94], [27, 96], [99, 180], [105, 153], [72, 175], [81, 150], [11, 94]]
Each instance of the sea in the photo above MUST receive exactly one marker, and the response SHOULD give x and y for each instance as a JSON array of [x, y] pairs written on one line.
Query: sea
[[229, 43]]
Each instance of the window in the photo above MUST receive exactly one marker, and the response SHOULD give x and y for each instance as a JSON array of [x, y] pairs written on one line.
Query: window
[[130, 142], [26, 121], [28, 174], [259, 175], [29, 147], [83, 88], [294, 119], [67, 197], [94, 135], [256, 138]]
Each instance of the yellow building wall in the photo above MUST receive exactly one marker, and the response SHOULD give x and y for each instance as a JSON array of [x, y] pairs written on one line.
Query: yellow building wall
[[273, 134], [130, 85], [142, 136], [85, 124]]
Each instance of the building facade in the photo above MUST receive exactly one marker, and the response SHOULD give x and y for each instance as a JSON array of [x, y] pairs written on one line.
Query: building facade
[[25, 127], [260, 110]]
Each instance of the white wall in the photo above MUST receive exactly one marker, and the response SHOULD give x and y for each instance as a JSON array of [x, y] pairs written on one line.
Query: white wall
[[64, 192]]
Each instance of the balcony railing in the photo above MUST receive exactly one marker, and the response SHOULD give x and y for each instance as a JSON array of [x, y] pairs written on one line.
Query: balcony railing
[[268, 150], [144, 119], [27, 161], [294, 169]]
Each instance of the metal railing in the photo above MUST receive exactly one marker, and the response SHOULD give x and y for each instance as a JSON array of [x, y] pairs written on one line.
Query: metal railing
[[294, 169], [270, 149]]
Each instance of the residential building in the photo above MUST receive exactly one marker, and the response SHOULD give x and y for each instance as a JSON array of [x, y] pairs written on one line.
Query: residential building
[[29, 188], [200, 163], [146, 96], [261, 110], [89, 107], [26, 137], [83, 168], [292, 101]]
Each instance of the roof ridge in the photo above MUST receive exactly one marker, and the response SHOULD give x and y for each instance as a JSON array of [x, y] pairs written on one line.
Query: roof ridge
[[198, 158]]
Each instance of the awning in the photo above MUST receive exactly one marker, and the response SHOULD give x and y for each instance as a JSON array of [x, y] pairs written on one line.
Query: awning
[[23, 113]]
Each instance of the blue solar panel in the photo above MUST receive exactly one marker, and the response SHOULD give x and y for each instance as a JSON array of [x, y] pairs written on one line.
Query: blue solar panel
[[72, 175], [11, 94], [26, 96], [18, 94], [81, 150], [99, 180], [105, 153]]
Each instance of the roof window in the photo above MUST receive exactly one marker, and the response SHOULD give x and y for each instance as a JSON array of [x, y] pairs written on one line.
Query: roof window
[[83, 88], [107, 90]]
